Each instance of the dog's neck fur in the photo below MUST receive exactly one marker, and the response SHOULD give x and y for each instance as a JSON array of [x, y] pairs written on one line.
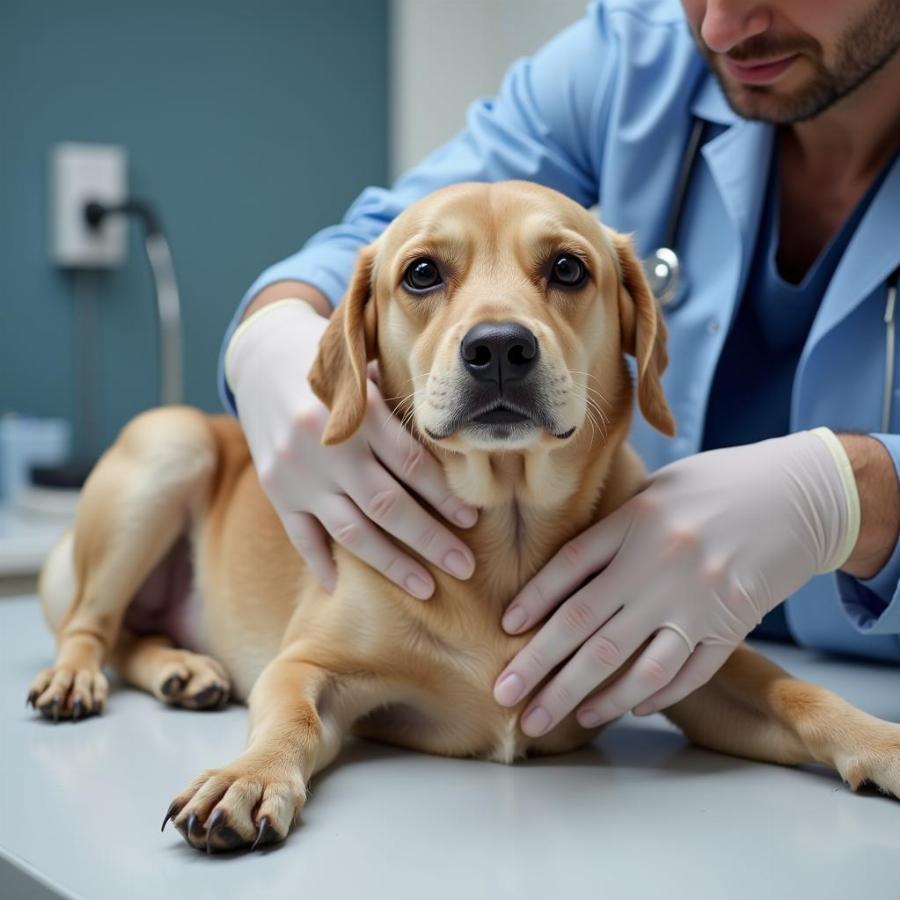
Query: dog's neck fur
[[518, 531], [531, 502]]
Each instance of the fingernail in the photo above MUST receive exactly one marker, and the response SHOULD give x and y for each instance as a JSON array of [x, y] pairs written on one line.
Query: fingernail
[[589, 719], [645, 709], [536, 722], [458, 565], [514, 619], [418, 586], [466, 517], [509, 689]]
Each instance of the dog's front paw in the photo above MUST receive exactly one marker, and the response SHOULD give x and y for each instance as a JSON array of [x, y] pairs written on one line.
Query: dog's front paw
[[246, 805], [876, 762], [193, 681], [62, 693]]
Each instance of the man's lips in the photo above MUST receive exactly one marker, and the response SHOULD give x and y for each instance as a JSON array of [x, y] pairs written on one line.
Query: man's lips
[[759, 72]]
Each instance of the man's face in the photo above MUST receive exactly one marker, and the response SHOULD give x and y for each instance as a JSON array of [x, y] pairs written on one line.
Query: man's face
[[788, 60]]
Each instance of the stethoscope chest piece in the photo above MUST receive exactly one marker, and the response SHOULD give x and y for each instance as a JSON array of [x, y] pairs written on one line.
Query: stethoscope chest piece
[[663, 273], [662, 268]]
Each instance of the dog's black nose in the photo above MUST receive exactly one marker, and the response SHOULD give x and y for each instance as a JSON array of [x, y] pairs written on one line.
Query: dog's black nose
[[499, 351]]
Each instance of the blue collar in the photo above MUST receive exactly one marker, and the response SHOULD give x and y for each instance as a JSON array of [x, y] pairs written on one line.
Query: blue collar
[[710, 104]]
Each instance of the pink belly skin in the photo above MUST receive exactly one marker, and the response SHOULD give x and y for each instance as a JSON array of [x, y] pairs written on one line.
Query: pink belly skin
[[167, 602]]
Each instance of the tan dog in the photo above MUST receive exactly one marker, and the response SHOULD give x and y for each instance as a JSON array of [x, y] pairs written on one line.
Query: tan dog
[[511, 321]]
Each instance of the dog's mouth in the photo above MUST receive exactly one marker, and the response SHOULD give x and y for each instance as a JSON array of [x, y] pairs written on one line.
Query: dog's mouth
[[501, 415], [501, 420]]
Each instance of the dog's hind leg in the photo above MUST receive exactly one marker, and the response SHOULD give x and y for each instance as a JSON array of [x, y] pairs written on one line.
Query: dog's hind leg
[[754, 709], [175, 677], [140, 497]]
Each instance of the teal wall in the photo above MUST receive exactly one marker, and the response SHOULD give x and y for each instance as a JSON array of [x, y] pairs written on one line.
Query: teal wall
[[249, 125]]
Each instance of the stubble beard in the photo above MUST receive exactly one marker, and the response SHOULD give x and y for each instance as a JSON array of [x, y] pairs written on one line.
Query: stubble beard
[[865, 47]]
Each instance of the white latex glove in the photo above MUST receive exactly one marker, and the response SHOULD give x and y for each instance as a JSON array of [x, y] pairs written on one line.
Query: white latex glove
[[692, 563], [347, 488]]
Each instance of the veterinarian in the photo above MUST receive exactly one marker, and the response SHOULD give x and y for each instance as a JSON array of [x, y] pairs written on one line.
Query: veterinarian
[[788, 244]]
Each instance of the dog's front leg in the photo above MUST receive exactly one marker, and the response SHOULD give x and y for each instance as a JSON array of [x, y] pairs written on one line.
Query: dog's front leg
[[299, 714]]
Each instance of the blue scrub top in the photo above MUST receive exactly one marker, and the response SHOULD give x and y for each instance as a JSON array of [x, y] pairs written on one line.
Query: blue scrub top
[[750, 399], [602, 113]]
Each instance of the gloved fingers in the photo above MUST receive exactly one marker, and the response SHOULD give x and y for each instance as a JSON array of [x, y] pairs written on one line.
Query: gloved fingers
[[567, 629], [385, 501], [352, 530], [579, 558], [310, 541], [596, 660], [706, 660], [412, 463], [656, 666]]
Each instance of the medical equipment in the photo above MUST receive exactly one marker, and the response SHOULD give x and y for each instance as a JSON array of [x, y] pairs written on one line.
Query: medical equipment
[[662, 267], [663, 270], [888, 396]]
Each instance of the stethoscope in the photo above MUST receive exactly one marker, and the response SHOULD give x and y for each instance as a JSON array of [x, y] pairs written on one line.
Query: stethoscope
[[663, 270], [662, 267]]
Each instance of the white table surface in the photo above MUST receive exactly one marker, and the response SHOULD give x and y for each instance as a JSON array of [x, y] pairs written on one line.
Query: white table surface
[[640, 813]]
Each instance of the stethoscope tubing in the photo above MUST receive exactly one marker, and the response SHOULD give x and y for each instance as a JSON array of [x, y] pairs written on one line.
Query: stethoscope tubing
[[672, 294], [888, 396]]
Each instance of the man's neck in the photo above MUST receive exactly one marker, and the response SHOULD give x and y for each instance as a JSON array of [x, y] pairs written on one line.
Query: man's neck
[[853, 139]]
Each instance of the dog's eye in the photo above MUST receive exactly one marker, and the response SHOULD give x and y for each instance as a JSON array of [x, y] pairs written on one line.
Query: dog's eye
[[568, 271], [422, 274]]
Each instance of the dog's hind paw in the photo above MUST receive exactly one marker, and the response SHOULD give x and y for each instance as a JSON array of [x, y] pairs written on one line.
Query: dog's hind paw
[[60, 693], [244, 806], [193, 681]]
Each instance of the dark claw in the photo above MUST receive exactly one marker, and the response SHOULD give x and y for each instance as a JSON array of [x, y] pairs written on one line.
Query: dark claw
[[51, 709], [173, 685], [211, 824], [192, 823], [32, 696], [205, 697], [77, 710], [226, 838], [266, 833], [171, 812]]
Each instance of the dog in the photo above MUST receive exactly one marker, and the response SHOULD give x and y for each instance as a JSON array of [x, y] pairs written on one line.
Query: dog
[[512, 312]]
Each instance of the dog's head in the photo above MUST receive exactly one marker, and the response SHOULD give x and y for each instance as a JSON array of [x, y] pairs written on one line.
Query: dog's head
[[499, 315]]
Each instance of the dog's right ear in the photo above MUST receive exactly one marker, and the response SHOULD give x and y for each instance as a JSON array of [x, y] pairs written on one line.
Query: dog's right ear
[[338, 375], [643, 336]]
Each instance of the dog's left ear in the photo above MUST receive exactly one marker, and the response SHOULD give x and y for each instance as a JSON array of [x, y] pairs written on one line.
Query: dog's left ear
[[338, 374], [643, 336]]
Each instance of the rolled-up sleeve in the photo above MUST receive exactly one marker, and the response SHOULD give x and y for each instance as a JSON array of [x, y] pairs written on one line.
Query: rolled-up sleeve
[[873, 604], [537, 128]]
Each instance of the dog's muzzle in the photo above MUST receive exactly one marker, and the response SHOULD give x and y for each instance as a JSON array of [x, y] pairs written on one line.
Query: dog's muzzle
[[502, 390]]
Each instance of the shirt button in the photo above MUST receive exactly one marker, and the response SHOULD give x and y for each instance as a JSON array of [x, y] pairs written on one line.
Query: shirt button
[[712, 326]]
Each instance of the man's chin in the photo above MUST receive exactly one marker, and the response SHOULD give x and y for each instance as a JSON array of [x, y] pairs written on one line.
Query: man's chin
[[789, 101]]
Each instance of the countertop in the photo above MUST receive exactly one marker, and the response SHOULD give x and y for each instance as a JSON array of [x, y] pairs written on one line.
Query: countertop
[[639, 813]]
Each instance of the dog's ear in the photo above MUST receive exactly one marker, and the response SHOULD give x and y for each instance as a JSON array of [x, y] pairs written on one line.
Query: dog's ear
[[643, 336], [338, 374]]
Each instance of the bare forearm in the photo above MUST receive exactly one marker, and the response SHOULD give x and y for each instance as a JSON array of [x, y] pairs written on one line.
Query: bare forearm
[[282, 290], [879, 504]]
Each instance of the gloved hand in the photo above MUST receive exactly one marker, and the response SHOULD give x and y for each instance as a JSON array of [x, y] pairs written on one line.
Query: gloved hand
[[691, 564], [342, 488]]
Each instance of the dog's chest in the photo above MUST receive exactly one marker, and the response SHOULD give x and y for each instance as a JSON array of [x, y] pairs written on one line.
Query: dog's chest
[[464, 719], [459, 715]]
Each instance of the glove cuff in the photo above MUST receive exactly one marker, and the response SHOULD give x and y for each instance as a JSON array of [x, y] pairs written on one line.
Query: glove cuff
[[851, 497], [249, 322]]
